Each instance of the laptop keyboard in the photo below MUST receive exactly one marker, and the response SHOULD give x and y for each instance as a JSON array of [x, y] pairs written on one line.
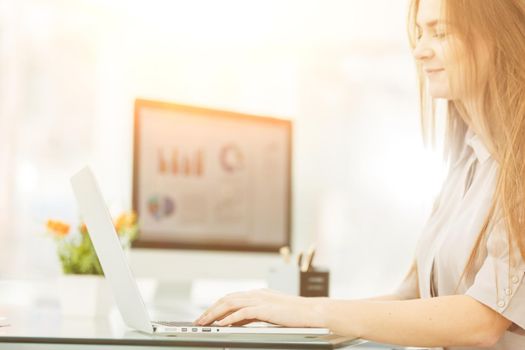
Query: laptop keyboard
[[185, 327], [174, 324]]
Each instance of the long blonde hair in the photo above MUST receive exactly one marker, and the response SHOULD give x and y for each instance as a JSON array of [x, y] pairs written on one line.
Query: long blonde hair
[[501, 24]]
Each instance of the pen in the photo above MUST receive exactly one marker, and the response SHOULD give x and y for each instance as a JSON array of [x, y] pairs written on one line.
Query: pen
[[299, 259], [307, 263], [285, 254]]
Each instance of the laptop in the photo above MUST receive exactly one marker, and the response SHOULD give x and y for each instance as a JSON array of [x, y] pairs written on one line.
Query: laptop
[[125, 291]]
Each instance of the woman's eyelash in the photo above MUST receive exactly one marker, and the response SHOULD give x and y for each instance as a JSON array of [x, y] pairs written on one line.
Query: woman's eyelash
[[439, 35]]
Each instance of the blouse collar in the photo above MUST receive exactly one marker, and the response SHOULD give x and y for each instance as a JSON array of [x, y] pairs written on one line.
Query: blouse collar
[[477, 145]]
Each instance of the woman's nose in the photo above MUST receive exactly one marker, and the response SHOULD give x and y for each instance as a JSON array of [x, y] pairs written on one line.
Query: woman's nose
[[422, 52]]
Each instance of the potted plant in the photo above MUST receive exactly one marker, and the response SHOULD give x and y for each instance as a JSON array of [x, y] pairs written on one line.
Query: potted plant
[[83, 290]]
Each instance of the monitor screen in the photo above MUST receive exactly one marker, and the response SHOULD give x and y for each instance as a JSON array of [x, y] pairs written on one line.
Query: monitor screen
[[211, 179]]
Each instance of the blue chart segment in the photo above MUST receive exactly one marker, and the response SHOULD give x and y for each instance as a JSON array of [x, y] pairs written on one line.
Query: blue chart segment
[[161, 207]]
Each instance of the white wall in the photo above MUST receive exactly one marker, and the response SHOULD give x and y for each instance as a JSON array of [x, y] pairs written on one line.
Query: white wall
[[9, 105]]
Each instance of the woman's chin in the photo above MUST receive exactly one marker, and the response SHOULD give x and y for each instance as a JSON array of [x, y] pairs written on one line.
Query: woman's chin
[[440, 93]]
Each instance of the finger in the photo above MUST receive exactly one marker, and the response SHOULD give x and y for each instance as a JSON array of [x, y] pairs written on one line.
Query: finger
[[244, 314], [219, 302], [243, 322], [223, 309], [214, 306]]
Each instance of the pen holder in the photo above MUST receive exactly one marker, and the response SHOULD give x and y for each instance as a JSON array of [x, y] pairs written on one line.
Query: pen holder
[[290, 280]]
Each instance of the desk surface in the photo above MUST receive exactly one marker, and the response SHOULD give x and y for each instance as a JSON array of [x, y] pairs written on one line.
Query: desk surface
[[41, 325], [47, 326]]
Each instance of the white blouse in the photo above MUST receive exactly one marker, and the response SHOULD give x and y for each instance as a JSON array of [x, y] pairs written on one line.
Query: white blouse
[[449, 235]]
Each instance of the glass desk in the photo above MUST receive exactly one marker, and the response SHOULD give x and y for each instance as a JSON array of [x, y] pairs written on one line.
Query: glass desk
[[36, 322], [45, 328]]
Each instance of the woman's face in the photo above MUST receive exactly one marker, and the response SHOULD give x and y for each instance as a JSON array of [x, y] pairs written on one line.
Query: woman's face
[[433, 49], [439, 52], [442, 55]]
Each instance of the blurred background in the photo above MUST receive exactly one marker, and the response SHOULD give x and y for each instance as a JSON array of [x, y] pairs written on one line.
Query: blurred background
[[363, 183]]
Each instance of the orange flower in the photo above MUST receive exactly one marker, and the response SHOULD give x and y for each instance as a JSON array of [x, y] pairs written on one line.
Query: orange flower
[[57, 227], [125, 220]]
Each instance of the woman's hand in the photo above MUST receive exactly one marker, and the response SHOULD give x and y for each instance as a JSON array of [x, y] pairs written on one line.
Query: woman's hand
[[265, 305]]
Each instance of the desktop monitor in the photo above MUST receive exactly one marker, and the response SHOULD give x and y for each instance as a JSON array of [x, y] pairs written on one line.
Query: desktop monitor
[[209, 179]]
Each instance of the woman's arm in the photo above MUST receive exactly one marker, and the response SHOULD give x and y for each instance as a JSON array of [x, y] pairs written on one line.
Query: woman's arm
[[457, 320], [387, 297]]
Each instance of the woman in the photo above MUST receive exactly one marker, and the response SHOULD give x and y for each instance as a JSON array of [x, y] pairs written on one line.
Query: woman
[[466, 286]]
